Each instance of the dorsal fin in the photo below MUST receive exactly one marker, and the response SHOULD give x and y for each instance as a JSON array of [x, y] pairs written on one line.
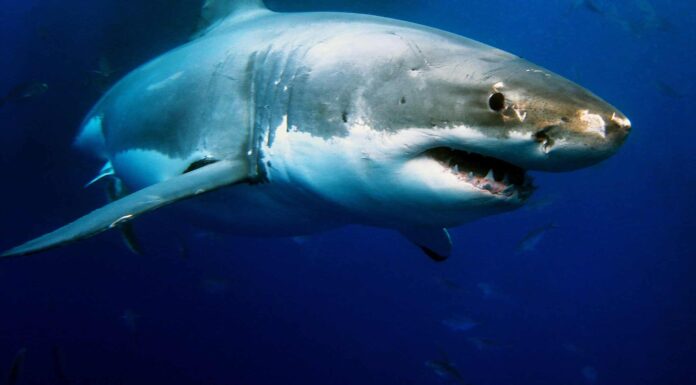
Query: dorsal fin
[[214, 12]]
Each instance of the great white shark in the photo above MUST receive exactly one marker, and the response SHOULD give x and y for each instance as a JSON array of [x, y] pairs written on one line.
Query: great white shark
[[280, 124]]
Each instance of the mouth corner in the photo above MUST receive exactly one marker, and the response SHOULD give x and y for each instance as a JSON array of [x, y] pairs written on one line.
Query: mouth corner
[[493, 176]]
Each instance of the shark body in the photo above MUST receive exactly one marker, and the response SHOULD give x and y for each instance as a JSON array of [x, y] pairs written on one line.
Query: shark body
[[296, 123]]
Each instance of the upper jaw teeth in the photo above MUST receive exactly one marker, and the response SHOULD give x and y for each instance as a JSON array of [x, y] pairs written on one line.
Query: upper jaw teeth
[[485, 173], [490, 176]]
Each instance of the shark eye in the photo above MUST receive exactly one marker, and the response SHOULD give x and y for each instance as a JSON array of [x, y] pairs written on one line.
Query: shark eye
[[496, 102]]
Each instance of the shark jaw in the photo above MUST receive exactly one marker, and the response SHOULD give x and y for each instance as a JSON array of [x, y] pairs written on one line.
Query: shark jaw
[[410, 177], [486, 174]]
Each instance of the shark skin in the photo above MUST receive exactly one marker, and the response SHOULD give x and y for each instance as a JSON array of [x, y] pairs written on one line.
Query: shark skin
[[333, 119]]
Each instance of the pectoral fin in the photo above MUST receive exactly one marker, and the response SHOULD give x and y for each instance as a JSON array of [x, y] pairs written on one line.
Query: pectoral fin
[[107, 170], [435, 242], [205, 179], [115, 190]]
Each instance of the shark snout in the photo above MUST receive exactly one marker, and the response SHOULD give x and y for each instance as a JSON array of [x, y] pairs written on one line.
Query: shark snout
[[602, 133], [580, 141], [619, 126]]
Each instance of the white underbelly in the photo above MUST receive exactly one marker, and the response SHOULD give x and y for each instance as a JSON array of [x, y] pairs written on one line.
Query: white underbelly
[[276, 208]]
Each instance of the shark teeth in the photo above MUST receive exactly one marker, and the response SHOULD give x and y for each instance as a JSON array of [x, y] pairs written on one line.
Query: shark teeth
[[495, 176]]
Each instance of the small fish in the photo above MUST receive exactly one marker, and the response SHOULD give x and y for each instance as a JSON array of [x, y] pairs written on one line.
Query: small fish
[[590, 374], [215, 285], [588, 5], [647, 25], [104, 68], [668, 90], [483, 343], [460, 323], [182, 249], [487, 289], [540, 203], [58, 369], [130, 319], [572, 348], [449, 284], [16, 367], [533, 238], [23, 91], [649, 20], [446, 369], [300, 240], [101, 78]]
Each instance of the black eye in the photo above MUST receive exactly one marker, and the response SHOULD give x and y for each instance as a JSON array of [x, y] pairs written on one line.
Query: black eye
[[496, 102]]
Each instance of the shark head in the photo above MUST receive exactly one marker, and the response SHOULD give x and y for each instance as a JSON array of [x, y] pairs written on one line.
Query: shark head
[[421, 127]]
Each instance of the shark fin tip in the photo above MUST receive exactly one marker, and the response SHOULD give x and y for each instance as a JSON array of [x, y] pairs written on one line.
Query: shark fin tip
[[433, 255]]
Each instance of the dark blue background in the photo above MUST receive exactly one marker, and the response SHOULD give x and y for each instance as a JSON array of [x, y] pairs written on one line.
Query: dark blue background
[[613, 287]]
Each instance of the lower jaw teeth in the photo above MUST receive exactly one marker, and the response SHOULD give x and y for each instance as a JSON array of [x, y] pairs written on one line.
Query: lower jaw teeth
[[487, 183]]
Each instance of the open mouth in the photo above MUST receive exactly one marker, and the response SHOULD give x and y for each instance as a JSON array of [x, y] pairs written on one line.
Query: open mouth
[[495, 176]]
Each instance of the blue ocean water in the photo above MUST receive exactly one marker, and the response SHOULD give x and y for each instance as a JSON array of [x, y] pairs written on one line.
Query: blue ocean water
[[607, 296]]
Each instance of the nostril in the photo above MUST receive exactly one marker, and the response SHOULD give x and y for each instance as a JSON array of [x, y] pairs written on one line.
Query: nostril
[[542, 137], [543, 134], [621, 121]]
